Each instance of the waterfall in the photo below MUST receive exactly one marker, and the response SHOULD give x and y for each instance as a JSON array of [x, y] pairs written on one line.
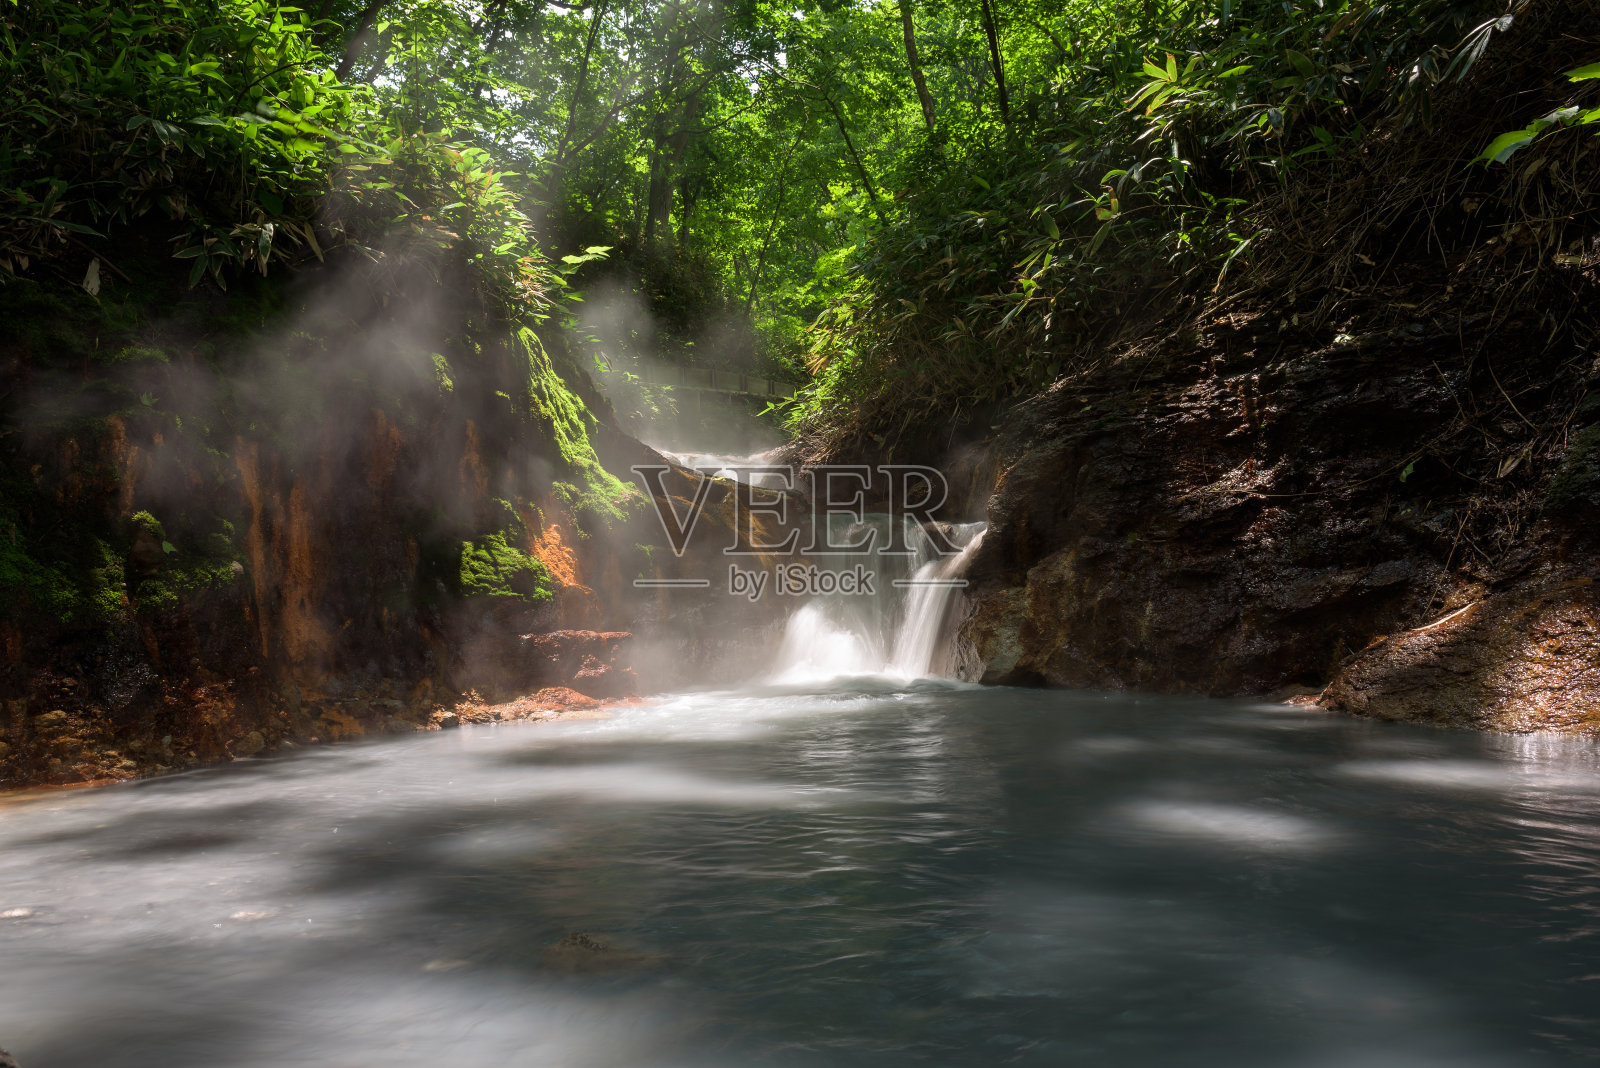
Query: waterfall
[[902, 630], [918, 643]]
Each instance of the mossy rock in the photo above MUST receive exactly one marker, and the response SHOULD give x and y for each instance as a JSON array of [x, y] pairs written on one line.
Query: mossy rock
[[133, 354], [1574, 491], [492, 568]]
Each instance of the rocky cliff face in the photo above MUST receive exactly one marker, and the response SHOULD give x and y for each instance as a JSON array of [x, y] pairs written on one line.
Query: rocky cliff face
[[335, 517], [1372, 518]]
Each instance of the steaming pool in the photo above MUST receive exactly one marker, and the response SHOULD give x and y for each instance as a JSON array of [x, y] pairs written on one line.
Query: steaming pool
[[857, 873]]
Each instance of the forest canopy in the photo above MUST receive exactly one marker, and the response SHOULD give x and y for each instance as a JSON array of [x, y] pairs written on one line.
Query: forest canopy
[[944, 200]]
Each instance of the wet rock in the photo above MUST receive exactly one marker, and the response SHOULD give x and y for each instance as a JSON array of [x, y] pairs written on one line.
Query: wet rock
[[560, 697], [335, 725], [552, 702], [1524, 657], [447, 721], [7, 1060], [249, 745], [586, 660], [1265, 527], [581, 953], [604, 680], [506, 663], [51, 720]]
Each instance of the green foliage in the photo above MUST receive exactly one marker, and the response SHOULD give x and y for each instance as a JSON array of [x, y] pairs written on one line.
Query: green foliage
[[213, 115], [30, 585], [163, 142], [182, 579], [1508, 144], [67, 577], [226, 121], [1017, 253]]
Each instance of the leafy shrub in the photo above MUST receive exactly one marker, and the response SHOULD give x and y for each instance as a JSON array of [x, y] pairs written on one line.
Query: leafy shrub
[[227, 121], [1135, 186]]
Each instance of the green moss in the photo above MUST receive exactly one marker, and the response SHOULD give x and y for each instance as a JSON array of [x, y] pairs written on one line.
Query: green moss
[[492, 568], [135, 354], [441, 373], [206, 562], [144, 522], [591, 492], [1575, 488], [105, 596]]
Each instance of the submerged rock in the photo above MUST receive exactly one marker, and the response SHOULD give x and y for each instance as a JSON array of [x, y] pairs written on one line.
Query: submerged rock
[[249, 745], [583, 953]]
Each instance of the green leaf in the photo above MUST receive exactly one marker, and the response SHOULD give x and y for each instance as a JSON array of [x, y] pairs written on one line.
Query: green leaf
[[1584, 74], [1506, 145], [1302, 63], [77, 228]]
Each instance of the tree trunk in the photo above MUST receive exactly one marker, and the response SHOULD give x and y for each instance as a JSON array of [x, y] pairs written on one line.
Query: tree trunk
[[658, 199], [664, 182], [582, 79], [916, 66], [855, 157], [358, 39], [991, 30], [772, 228]]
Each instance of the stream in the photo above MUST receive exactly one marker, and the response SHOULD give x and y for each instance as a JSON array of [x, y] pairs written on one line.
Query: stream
[[862, 871]]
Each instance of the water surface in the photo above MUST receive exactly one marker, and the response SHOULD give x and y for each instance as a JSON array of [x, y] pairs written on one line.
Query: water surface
[[870, 873]]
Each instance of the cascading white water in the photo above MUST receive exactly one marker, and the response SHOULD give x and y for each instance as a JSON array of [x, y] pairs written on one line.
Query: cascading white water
[[900, 631], [735, 468], [918, 644]]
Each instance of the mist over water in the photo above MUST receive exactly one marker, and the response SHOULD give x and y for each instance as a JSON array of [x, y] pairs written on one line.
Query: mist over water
[[863, 873], [903, 631]]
